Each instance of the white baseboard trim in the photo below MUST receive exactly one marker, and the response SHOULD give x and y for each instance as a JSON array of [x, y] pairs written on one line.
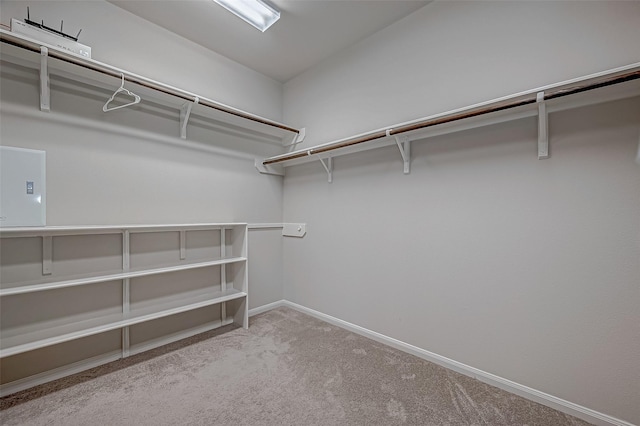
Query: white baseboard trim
[[267, 307], [559, 404]]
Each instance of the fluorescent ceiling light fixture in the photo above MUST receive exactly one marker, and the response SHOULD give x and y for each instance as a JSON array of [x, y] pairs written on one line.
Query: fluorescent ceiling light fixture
[[254, 12]]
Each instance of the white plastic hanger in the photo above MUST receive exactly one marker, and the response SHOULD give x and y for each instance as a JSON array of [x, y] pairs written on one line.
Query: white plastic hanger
[[136, 98]]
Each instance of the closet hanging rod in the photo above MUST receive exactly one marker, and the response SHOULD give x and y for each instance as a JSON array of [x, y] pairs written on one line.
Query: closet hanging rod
[[518, 100], [20, 42]]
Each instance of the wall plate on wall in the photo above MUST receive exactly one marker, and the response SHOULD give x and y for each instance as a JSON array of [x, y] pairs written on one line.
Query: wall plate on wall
[[23, 195], [294, 229]]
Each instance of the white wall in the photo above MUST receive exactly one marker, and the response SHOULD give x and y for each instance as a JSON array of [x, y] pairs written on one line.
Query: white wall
[[523, 268], [449, 55], [129, 166], [124, 40]]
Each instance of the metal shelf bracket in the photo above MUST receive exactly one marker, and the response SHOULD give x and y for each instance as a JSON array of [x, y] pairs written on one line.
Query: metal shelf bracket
[[328, 166], [45, 94], [185, 112], [404, 145], [543, 127]]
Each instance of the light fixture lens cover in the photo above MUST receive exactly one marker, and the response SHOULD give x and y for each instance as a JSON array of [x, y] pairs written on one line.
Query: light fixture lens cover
[[254, 12]]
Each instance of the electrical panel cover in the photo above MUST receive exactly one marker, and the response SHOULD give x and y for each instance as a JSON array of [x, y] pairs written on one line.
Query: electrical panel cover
[[22, 187]]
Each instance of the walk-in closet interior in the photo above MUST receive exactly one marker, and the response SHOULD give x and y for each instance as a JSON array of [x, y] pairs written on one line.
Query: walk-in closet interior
[[448, 186]]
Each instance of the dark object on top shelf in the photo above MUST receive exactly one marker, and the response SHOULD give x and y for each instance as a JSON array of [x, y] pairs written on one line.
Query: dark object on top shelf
[[42, 26]]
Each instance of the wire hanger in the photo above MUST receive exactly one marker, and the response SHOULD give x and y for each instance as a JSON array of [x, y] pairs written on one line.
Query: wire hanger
[[121, 89]]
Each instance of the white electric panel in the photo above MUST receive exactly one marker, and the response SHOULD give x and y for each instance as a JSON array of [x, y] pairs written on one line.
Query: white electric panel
[[23, 196]]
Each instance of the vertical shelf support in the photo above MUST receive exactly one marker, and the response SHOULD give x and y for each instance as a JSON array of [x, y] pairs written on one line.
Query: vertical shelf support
[[126, 291], [185, 113], [223, 272], [183, 245], [245, 278], [45, 94], [47, 255], [543, 127], [126, 262], [328, 166], [404, 145]]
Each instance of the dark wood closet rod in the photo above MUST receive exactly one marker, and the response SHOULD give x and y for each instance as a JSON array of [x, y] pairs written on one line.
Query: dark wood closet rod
[[103, 69], [473, 112]]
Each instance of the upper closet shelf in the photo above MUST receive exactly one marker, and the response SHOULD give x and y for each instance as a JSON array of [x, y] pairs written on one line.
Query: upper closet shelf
[[49, 231], [48, 59], [619, 83]]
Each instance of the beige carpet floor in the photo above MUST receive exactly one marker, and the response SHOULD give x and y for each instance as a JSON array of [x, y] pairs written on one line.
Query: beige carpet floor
[[287, 369]]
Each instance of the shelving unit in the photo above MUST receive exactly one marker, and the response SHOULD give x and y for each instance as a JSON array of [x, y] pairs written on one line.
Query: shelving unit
[[59, 286], [606, 86], [50, 61]]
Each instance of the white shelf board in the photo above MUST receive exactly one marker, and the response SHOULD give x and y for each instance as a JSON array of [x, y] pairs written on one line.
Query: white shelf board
[[272, 131], [43, 231], [174, 337], [58, 373], [17, 342], [603, 94], [95, 279]]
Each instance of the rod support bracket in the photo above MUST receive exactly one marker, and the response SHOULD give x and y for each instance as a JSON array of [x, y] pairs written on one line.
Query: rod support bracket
[[271, 169], [45, 93], [404, 145], [185, 113], [543, 127], [297, 137], [328, 166]]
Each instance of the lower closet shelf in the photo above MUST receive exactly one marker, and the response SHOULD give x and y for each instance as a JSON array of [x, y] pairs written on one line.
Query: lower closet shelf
[[17, 341], [75, 297]]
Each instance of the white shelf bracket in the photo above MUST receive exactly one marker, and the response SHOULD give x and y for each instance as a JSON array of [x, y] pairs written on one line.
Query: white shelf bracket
[[543, 127], [45, 93], [185, 112], [274, 169], [328, 166], [404, 145], [47, 255], [298, 137]]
